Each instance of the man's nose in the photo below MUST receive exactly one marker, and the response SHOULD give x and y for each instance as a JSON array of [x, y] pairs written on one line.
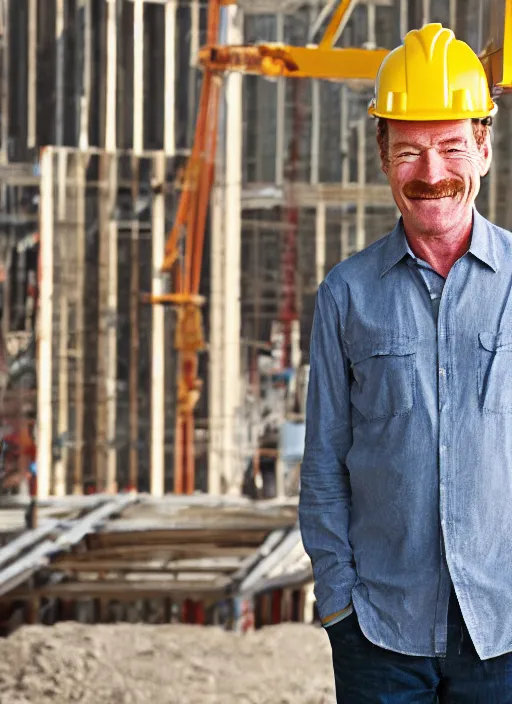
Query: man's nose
[[431, 166]]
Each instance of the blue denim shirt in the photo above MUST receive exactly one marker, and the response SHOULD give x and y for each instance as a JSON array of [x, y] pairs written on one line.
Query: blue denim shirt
[[406, 483]]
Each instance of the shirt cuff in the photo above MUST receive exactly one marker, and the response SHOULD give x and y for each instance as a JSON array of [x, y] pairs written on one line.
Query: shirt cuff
[[338, 616]]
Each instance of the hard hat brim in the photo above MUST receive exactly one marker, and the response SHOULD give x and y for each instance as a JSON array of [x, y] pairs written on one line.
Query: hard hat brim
[[433, 116]]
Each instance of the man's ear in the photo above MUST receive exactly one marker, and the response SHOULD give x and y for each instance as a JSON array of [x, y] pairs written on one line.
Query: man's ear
[[485, 155]]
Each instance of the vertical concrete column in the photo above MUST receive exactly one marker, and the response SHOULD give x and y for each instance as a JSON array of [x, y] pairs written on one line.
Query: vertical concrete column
[[170, 78], [232, 257], [225, 385], [158, 347], [320, 242], [44, 328]]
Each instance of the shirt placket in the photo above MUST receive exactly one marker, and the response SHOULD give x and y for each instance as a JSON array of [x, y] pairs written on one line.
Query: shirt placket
[[444, 585], [444, 460]]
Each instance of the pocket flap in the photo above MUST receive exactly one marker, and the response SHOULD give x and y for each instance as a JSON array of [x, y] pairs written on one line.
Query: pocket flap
[[492, 342], [360, 350]]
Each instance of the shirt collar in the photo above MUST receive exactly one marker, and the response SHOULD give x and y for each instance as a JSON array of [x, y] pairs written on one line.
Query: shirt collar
[[482, 244], [395, 249], [482, 241]]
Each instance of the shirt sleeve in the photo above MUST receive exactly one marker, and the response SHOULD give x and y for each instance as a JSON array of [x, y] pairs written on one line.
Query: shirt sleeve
[[325, 496]]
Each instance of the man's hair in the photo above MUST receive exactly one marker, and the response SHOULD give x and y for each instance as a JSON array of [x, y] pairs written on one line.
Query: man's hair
[[481, 129]]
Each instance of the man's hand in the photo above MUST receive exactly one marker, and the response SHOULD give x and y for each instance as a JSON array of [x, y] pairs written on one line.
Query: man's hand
[[338, 616]]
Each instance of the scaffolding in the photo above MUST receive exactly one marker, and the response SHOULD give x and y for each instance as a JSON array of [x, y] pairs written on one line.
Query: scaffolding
[[104, 394]]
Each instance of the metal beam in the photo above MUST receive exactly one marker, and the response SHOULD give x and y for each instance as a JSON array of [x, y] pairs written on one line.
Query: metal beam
[[276, 61], [338, 22]]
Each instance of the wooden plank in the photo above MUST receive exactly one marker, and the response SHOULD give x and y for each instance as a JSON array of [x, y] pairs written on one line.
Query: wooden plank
[[100, 451], [154, 578], [158, 344], [26, 540], [45, 327], [70, 565], [78, 201], [260, 196], [177, 537], [233, 523], [264, 550], [19, 571], [134, 353], [297, 579], [168, 551], [93, 520], [117, 590], [264, 567]]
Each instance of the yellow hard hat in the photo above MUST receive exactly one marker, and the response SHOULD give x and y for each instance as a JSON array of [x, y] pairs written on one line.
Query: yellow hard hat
[[433, 76]]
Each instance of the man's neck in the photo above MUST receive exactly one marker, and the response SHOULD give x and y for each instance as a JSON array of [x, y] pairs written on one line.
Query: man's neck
[[441, 251]]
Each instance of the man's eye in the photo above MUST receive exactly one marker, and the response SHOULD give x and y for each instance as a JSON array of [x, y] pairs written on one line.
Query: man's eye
[[454, 151], [407, 154]]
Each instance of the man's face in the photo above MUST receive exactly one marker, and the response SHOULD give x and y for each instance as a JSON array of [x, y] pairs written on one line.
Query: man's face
[[434, 171]]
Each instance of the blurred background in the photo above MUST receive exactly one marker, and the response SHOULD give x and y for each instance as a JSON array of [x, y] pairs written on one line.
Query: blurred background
[[167, 212]]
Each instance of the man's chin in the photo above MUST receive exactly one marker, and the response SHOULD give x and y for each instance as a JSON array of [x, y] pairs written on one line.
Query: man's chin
[[428, 206], [435, 214]]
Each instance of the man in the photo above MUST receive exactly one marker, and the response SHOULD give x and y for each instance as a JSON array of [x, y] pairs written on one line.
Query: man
[[406, 485]]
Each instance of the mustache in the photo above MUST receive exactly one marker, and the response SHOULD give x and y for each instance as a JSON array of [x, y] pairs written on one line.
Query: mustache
[[448, 188]]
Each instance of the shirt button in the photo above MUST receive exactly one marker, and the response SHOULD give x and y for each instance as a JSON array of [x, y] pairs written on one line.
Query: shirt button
[[442, 371], [444, 448]]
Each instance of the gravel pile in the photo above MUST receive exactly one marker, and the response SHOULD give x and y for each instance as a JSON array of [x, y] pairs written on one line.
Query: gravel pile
[[176, 664]]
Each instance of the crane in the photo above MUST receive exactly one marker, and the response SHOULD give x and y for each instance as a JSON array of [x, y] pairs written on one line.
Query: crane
[[185, 243]]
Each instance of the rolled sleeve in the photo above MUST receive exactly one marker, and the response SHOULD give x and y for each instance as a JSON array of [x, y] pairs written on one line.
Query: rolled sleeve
[[325, 496]]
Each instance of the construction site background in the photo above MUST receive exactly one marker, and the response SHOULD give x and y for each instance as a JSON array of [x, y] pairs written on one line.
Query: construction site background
[[98, 104], [113, 88]]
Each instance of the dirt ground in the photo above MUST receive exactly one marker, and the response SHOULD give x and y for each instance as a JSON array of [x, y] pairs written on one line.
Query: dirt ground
[[135, 664]]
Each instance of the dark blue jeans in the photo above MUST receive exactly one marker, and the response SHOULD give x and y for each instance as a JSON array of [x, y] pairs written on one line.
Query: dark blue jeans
[[367, 674]]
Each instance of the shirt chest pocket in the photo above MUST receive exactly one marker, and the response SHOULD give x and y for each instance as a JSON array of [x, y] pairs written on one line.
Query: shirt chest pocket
[[384, 377], [495, 372]]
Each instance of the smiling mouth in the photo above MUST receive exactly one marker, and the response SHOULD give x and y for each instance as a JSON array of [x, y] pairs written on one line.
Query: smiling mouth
[[430, 197]]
